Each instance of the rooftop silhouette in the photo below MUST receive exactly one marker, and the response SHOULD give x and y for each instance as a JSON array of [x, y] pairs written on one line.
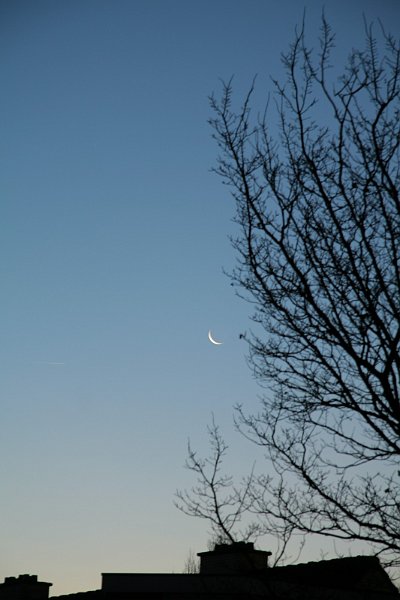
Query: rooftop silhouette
[[237, 571]]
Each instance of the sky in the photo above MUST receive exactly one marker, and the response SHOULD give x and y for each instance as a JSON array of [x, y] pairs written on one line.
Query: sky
[[113, 246]]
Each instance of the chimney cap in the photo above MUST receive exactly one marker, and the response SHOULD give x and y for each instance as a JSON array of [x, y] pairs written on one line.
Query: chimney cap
[[234, 548], [238, 557]]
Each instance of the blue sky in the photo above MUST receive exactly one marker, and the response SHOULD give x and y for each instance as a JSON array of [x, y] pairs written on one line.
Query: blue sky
[[114, 237]]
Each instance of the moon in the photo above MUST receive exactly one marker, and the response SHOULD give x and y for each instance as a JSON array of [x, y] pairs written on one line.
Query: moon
[[210, 337]]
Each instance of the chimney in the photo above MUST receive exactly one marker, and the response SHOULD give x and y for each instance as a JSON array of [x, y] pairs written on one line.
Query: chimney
[[236, 558], [24, 587]]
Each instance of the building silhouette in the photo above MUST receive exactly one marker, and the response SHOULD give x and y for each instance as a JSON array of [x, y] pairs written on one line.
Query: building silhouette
[[236, 571]]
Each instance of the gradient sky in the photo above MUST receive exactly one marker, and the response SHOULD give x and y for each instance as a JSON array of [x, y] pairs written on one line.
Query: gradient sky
[[114, 237]]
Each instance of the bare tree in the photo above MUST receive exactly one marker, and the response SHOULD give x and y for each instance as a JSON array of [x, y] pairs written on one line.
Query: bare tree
[[318, 210], [231, 510], [215, 498], [192, 564]]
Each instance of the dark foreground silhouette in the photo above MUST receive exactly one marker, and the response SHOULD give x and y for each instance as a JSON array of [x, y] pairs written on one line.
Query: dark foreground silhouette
[[236, 571]]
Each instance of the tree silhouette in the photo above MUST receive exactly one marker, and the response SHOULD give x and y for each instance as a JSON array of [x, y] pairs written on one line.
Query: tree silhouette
[[318, 211], [215, 497], [225, 505]]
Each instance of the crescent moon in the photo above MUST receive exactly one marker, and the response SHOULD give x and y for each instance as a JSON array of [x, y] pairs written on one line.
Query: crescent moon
[[210, 337]]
